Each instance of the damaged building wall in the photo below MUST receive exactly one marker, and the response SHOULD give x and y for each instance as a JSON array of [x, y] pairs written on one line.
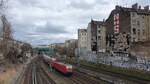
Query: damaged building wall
[[131, 22]]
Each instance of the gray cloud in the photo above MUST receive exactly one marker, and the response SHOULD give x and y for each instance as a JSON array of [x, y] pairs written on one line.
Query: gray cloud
[[53, 21], [52, 29], [48, 21], [82, 4]]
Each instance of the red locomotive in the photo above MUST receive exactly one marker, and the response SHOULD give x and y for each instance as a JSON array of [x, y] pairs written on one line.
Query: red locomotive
[[66, 69]]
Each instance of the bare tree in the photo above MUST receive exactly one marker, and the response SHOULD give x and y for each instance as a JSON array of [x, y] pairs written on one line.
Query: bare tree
[[25, 48], [3, 6], [7, 42]]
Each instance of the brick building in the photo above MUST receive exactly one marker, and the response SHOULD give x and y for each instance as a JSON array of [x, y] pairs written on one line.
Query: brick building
[[126, 26]]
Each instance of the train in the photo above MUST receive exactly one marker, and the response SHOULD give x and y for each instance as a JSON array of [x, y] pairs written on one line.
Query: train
[[63, 68]]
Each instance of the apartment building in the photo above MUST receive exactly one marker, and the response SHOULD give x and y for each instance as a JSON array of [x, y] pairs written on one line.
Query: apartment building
[[101, 38], [54, 45], [82, 38], [70, 46], [140, 24], [126, 26], [92, 35]]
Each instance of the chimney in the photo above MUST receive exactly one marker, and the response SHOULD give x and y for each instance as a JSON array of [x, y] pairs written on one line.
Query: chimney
[[146, 8], [135, 6], [139, 7], [117, 7]]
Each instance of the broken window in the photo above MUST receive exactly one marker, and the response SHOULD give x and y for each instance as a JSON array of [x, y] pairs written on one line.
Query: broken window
[[143, 31], [99, 31], [138, 32], [134, 31], [138, 23], [99, 37]]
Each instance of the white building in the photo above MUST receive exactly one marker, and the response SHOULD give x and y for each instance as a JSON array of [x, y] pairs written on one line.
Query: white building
[[82, 38], [71, 45], [92, 35], [140, 24], [101, 38]]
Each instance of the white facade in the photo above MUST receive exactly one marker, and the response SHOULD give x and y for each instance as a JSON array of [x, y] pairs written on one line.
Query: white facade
[[101, 39], [89, 42], [70, 43], [138, 27], [82, 38], [93, 43]]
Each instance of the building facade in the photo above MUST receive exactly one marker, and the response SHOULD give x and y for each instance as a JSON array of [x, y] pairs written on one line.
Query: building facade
[[101, 38], [54, 45], [70, 46], [126, 26], [82, 38], [92, 35], [140, 24]]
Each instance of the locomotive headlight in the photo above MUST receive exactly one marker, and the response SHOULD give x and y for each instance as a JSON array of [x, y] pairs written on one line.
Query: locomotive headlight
[[69, 67]]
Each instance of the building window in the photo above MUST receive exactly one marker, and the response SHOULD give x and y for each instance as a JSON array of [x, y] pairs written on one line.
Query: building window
[[133, 14], [99, 31], [99, 37], [138, 32], [138, 23], [143, 32], [134, 31], [143, 17]]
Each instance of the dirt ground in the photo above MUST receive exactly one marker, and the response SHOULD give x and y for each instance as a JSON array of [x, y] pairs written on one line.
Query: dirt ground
[[8, 72]]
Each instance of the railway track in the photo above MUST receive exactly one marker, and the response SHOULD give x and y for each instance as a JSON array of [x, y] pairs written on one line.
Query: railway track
[[82, 78], [122, 78], [105, 78], [77, 77], [114, 78], [35, 74]]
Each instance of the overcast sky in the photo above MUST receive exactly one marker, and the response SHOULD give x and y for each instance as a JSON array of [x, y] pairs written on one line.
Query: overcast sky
[[50, 21]]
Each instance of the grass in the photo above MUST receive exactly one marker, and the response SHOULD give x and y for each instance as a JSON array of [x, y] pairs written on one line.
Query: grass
[[138, 74]]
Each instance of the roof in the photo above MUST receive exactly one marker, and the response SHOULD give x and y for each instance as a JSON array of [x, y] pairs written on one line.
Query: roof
[[82, 30], [139, 11], [97, 22]]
